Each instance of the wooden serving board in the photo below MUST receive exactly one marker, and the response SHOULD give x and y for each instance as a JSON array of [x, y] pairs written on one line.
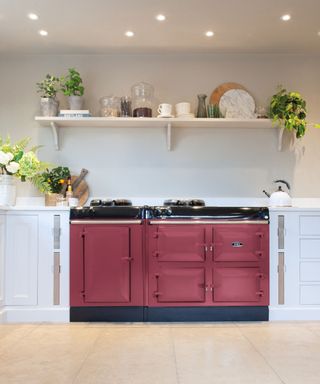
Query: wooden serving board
[[81, 191], [223, 88]]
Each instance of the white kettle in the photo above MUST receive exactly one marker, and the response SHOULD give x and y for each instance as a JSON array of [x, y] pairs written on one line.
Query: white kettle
[[280, 198]]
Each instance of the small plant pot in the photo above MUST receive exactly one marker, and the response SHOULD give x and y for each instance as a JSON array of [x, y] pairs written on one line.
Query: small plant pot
[[75, 102], [50, 199], [49, 106]]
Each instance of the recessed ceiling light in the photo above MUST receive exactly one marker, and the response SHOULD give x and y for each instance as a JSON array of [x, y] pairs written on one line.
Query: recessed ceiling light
[[160, 17], [129, 34], [33, 16], [42, 32], [209, 33], [285, 17]]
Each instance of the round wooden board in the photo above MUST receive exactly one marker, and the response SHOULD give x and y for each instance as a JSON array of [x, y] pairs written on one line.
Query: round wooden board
[[81, 191], [219, 91]]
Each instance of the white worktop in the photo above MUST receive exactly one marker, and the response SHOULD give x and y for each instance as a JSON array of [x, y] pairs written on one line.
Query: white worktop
[[298, 204]]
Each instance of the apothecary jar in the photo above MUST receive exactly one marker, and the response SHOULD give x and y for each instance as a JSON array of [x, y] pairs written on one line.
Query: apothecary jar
[[142, 99]]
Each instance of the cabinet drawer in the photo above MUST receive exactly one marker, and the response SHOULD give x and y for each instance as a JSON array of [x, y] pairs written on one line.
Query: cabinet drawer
[[310, 271], [310, 294], [310, 225], [310, 248]]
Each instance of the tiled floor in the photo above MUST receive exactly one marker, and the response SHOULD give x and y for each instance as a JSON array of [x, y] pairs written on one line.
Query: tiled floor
[[100, 353]]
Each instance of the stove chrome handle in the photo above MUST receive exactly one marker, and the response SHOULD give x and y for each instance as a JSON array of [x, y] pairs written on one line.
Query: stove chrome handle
[[95, 222], [188, 222]]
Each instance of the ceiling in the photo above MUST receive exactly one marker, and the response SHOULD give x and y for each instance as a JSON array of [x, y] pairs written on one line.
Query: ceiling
[[98, 26]]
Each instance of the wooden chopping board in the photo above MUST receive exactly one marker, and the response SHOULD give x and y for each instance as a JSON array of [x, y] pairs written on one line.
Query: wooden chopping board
[[81, 191], [222, 89]]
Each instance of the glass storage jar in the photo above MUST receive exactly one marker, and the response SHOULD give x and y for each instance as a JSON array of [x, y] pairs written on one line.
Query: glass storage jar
[[110, 106], [142, 99]]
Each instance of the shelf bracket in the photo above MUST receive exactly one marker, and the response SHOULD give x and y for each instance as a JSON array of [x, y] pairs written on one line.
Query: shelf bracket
[[280, 136], [55, 133], [169, 136]]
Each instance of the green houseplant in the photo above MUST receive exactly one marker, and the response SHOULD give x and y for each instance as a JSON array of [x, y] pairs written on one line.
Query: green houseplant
[[53, 183], [289, 110], [72, 87], [48, 88]]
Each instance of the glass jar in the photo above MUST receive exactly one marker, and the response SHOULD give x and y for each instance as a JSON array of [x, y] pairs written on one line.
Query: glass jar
[[142, 99], [110, 106]]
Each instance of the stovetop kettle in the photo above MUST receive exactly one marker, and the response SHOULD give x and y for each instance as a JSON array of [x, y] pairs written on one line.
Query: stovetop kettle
[[279, 198]]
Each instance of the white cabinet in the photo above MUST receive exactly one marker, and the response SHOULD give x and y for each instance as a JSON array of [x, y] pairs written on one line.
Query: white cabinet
[[295, 265], [21, 269], [2, 248], [36, 266]]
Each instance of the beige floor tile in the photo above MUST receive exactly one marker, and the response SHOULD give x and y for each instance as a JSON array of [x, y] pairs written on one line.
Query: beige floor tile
[[48, 355], [219, 355], [131, 355], [11, 334], [292, 350]]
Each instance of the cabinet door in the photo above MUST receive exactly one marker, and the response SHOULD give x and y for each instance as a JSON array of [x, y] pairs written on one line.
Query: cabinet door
[[2, 248], [107, 264], [237, 285], [180, 284], [22, 260], [240, 242], [180, 243]]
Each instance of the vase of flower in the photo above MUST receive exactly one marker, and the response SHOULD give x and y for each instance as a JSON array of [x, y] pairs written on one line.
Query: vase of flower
[[7, 191]]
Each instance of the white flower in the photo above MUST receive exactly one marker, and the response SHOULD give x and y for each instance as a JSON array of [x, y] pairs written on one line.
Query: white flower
[[13, 167], [5, 158]]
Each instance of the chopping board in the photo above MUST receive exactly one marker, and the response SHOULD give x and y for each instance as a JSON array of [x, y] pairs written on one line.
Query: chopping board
[[81, 191], [222, 89]]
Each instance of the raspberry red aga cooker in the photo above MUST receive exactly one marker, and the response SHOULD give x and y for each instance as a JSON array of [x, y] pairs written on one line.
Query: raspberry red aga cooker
[[183, 262]]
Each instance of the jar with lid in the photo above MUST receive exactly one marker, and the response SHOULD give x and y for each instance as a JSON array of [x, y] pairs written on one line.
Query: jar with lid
[[110, 106], [142, 99]]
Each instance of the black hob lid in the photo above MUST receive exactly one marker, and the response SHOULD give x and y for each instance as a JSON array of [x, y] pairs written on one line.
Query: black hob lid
[[212, 213], [183, 203], [106, 212]]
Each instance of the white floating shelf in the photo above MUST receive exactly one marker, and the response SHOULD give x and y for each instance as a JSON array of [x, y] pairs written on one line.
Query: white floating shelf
[[167, 123]]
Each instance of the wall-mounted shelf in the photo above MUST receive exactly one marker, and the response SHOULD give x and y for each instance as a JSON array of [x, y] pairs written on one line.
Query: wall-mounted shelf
[[167, 123]]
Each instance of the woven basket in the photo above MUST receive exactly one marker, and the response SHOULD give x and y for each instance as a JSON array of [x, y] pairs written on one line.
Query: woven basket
[[50, 199]]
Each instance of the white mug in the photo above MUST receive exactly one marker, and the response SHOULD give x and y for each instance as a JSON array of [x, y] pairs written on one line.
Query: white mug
[[165, 109], [182, 109]]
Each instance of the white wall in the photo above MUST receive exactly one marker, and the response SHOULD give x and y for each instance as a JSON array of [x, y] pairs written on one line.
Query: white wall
[[135, 162]]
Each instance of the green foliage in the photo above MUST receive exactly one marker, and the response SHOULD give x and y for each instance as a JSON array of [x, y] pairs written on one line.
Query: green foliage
[[52, 181], [72, 84], [49, 86], [289, 110]]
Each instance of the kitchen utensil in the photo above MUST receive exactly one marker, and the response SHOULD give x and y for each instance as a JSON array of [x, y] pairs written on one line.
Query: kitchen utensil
[[80, 187], [279, 198], [125, 106], [237, 103]]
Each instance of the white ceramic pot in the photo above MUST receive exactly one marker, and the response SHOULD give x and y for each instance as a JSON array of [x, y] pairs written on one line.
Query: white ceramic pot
[[75, 102], [49, 106], [7, 191]]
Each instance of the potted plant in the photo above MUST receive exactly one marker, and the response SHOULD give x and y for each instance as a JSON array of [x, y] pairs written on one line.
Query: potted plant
[[71, 86], [48, 88], [289, 110], [16, 161], [53, 183]]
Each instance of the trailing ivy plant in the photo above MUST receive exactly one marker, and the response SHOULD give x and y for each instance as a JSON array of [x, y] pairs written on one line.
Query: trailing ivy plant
[[71, 85], [48, 87], [289, 110]]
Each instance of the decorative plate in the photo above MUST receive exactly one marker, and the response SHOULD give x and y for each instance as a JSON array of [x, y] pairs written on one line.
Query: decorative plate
[[234, 101]]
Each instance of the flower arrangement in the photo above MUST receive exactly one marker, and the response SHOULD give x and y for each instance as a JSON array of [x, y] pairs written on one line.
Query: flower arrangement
[[17, 161], [53, 181]]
